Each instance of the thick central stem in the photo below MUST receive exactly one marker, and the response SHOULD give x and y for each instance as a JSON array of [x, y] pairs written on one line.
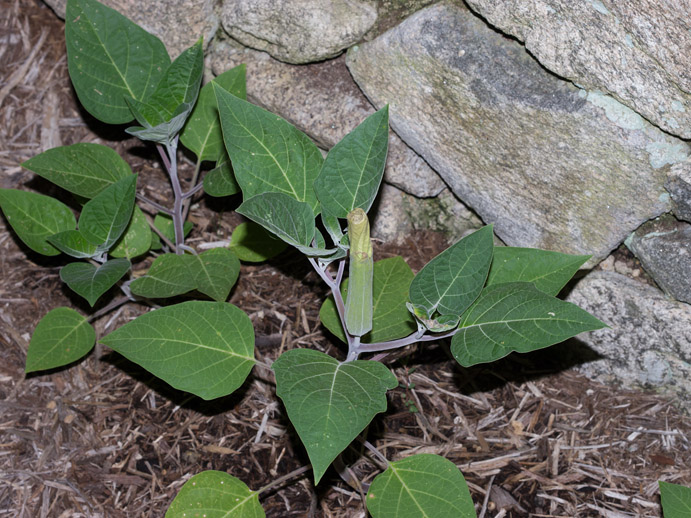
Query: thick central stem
[[170, 152]]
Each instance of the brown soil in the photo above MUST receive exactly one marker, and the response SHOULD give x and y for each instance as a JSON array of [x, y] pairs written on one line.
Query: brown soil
[[103, 438]]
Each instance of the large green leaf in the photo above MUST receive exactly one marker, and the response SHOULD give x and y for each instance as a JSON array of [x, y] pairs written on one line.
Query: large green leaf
[[169, 275], [676, 500], [136, 240], [202, 133], [420, 486], [516, 317], [105, 217], [390, 318], [215, 272], [253, 244], [328, 402], [353, 169], [268, 153], [215, 494], [73, 243], [35, 217], [549, 271], [220, 181], [110, 58], [90, 281], [61, 337], [84, 169], [450, 282], [206, 348]]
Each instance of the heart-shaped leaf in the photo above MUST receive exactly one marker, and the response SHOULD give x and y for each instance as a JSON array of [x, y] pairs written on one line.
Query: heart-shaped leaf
[[136, 240], [516, 317], [215, 494], [84, 169], [91, 282], [73, 243], [61, 337], [169, 275], [676, 500], [35, 218], [268, 153], [549, 271], [106, 216], [215, 272], [329, 402], [202, 133], [110, 58], [253, 244], [450, 282], [390, 318], [420, 486], [353, 169], [206, 348]]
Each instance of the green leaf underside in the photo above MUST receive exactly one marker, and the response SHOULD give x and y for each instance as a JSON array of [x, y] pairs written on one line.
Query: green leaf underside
[[549, 271], [73, 243], [390, 317], [268, 154], [220, 181], [206, 348], [110, 58], [162, 133], [676, 500], [170, 275], [516, 317], [353, 169], [215, 272], [215, 494], [83, 169], [90, 281], [450, 282], [35, 217], [420, 486], [61, 337], [328, 402], [106, 216], [251, 243], [136, 240], [165, 224], [202, 133]]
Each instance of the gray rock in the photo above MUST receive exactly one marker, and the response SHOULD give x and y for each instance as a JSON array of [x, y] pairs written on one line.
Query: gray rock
[[298, 31], [679, 186], [637, 50], [553, 166], [664, 248], [324, 102], [178, 23], [648, 343]]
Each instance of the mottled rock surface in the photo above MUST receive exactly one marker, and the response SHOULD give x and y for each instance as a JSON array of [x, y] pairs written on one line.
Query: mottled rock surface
[[178, 23], [679, 186], [648, 343], [552, 165], [664, 248], [298, 31], [637, 50]]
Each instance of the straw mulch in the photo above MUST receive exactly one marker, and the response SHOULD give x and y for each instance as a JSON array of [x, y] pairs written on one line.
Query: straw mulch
[[105, 439]]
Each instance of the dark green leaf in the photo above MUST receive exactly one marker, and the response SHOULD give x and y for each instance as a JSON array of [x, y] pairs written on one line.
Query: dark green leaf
[[215, 272], [253, 244], [549, 271], [169, 275], [206, 348], [328, 402], [202, 133], [35, 217], [83, 169], [676, 500], [110, 58], [106, 216], [73, 243], [220, 181], [516, 317], [61, 337], [136, 239], [164, 223], [268, 153], [353, 169], [390, 318], [90, 281], [420, 486], [215, 494]]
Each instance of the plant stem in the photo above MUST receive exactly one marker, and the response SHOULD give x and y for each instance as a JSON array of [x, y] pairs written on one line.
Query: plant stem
[[334, 285], [280, 480], [402, 342], [195, 188], [155, 205], [169, 157]]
